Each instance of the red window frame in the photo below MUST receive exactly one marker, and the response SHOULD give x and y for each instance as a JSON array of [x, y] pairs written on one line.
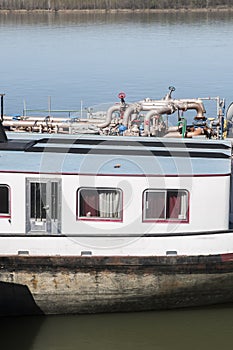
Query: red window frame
[[6, 214], [167, 211], [92, 204]]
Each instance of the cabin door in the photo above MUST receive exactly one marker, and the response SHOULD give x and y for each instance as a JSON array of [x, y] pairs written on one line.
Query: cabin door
[[43, 206]]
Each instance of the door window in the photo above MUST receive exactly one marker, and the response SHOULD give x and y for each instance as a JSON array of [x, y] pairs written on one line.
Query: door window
[[43, 206]]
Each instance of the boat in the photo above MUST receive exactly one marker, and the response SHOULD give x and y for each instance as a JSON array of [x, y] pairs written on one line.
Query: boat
[[131, 222]]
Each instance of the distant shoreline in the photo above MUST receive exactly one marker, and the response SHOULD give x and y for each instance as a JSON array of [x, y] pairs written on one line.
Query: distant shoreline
[[86, 11]]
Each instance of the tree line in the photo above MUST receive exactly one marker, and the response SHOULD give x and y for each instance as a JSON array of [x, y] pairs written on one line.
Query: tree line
[[55, 5]]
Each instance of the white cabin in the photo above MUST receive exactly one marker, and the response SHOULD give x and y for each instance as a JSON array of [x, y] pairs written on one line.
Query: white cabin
[[94, 195]]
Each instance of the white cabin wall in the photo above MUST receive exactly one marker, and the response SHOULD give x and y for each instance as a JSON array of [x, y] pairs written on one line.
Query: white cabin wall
[[208, 201], [209, 204], [132, 201], [16, 224]]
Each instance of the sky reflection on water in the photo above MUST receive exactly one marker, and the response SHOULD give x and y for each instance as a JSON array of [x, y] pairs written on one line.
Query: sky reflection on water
[[93, 57]]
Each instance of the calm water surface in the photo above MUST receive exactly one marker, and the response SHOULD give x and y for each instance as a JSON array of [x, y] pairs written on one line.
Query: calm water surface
[[91, 58], [178, 330]]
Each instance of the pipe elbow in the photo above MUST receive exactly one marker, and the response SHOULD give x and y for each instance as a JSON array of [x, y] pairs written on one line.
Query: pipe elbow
[[199, 107], [108, 119], [129, 110], [196, 105], [157, 113]]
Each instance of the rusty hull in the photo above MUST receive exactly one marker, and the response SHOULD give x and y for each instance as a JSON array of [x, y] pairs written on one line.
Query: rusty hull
[[70, 285]]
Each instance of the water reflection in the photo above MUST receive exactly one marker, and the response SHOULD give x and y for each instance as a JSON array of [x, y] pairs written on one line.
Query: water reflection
[[89, 57], [181, 329], [19, 332], [69, 18]]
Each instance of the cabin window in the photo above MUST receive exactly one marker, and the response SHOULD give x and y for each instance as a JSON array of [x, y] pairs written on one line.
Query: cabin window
[[99, 203], [4, 201], [165, 205]]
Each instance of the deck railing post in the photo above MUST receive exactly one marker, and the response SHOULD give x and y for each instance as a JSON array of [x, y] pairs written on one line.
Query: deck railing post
[[2, 96]]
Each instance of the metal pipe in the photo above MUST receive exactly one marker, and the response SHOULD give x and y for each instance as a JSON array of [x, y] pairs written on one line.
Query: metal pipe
[[135, 107], [148, 105], [169, 109], [108, 119], [197, 105]]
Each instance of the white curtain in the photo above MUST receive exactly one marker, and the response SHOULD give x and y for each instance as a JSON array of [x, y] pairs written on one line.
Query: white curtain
[[109, 204], [183, 205]]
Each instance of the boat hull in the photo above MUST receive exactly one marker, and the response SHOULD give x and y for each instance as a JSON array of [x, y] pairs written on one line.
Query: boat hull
[[72, 285]]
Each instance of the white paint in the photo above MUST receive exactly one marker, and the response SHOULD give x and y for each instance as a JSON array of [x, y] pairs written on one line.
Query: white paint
[[109, 246], [209, 210]]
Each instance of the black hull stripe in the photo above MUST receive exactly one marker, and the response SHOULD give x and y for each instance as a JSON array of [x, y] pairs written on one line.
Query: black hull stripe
[[122, 152], [139, 142]]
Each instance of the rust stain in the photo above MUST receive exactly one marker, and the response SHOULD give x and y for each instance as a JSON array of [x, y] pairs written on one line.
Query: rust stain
[[10, 278], [97, 280], [55, 283], [34, 281]]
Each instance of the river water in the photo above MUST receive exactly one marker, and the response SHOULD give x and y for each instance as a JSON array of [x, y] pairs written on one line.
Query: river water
[[209, 329], [69, 60], [73, 60]]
